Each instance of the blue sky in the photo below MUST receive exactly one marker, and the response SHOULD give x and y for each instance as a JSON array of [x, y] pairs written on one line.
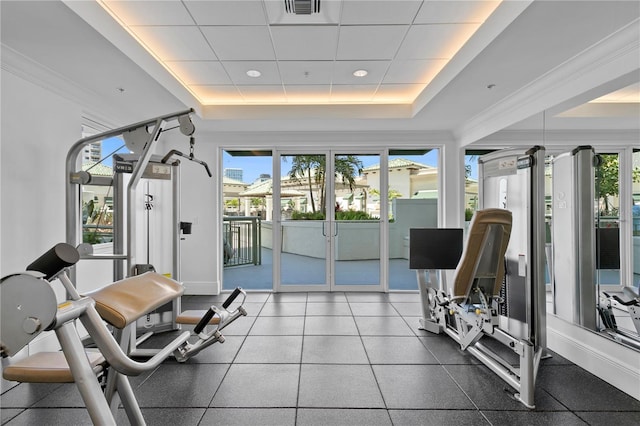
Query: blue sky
[[253, 166]]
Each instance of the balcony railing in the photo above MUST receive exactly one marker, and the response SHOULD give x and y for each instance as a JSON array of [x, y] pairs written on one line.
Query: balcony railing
[[242, 240]]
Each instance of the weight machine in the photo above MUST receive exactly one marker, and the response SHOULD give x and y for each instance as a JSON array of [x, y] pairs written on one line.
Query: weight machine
[[130, 169], [29, 306], [498, 290]]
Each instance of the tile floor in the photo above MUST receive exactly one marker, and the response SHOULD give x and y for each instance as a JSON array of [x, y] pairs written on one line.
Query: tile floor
[[334, 359]]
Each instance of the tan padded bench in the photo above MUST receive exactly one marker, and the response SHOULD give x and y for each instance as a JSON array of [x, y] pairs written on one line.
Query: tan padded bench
[[479, 243], [192, 317], [123, 302], [47, 367]]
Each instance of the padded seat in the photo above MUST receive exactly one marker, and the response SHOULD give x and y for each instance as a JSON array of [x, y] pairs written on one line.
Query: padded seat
[[124, 301], [482, 261], [48, 367], [192, 317]]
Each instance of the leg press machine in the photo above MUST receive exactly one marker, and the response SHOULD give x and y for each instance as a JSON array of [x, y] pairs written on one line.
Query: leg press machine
[[469, 311]]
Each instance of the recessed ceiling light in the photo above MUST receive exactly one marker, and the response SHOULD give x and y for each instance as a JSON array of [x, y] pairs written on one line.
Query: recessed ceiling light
[[254, 73], [360, 73]]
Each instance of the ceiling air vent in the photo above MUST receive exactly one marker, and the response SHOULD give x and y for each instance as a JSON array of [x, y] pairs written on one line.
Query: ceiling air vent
[[302, 7]]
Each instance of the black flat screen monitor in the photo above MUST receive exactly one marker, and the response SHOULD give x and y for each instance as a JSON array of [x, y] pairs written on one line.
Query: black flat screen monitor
[[434, 248]]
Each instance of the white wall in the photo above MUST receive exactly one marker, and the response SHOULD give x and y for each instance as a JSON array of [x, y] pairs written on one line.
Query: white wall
[[38, 127]]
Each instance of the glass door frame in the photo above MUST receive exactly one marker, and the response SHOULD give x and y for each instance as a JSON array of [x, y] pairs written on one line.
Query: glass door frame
[[329, 222]]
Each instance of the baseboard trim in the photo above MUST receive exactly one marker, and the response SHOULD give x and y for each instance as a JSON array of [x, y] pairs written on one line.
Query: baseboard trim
[[612, 362]]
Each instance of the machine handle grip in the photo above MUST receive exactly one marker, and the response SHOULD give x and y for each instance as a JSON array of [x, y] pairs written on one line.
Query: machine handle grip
[[203, 321], [231, 298]]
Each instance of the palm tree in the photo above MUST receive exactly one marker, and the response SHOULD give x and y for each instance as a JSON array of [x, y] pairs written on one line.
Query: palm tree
[[304, 165], [313, 168]]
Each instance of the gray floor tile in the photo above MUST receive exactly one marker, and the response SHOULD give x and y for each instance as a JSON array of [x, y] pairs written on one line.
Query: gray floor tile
[[7, 414], [26, 394], [287, 297], [259, 386], [383, 326], [437, 417], [239, 327], [165, 416], [338, 417], [408, 309], [367, 297], [338, 386], [250, 416], [397, 350], [408, 297], [277, 326], [218, 353], [610, 417], [419, 387], [373, 309], [327, 298], [253, 308], [270, 349], [330, 325], [66, 396], [180, 385], [533, 418], [328, 309], [581, 391], [283, 309], [447, 351], [489, 392], [333, 350], [52, 417]]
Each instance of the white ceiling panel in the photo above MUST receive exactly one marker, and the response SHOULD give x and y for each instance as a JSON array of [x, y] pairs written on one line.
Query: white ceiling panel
[[397, 92], [176, 43], [358, 12], [217, 94], [439, 41], [413, 71], [169, 12], [306, 72], [227, 12], [308, 93], [343, 72], [305, 43], [238, 72], [353, 93], [370, 42], [200, 72], [261, 94], [447, 11], [240, 42]]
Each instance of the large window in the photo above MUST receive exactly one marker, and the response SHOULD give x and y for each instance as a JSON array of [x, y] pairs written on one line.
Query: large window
[[412, 197]]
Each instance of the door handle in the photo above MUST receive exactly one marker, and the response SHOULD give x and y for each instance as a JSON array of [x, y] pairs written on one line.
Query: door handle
[[335, 234]]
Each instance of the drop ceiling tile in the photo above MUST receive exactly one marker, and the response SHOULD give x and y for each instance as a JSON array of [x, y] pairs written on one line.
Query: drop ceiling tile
[[262, 94], [199, 72], [329, 14], [175, 43], [304, 43], [370, 42], [238, 72], [447, 12], [308, 94], [306, 72], [227, 12], [240, 42], [437, 41], [169, 12], [413, 71], [213, 94], [343, 72], [358, 12], [361, 93], [403, 93]]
